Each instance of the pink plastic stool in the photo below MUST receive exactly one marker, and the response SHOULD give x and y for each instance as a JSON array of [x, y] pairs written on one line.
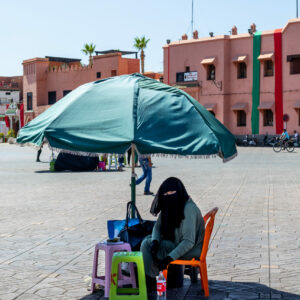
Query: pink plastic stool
[[101, 166], [109, 252]]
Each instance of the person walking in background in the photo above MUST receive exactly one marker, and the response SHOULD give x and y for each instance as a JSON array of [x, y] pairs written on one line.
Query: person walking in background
[[146, 164], [296, 136], [121, 160], [39, 152], [128, 156]]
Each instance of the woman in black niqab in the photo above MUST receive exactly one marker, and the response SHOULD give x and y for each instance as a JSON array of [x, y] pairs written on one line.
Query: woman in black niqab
[[170, 201], [178, 232]]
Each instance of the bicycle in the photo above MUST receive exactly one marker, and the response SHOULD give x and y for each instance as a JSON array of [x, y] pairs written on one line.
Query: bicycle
[[283, 144]]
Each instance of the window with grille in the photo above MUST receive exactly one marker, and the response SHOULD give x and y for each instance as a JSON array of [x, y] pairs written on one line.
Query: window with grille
[[211, 72], [268, 68], [241, 118], [295, 66], [268, 117], [51, 97], [242, 70], [29, 101], [179, 76], [66, 92]]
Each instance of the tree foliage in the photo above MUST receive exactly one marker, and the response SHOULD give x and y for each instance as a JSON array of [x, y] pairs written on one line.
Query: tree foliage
[[89, 49]]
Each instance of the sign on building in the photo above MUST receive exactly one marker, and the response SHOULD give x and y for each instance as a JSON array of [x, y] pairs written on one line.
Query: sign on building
[[190, 76], [186, 76]]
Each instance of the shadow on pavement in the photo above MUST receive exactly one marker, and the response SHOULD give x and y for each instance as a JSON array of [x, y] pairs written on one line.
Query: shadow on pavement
[[219, 290], [57, 172], [242, 290]]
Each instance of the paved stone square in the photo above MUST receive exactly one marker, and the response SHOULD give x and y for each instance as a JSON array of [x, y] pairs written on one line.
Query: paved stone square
[[50, 222]]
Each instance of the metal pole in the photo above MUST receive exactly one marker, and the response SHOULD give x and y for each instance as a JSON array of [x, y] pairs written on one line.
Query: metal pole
[[132, 180], [296, 8], [192, 17], [168, 64]]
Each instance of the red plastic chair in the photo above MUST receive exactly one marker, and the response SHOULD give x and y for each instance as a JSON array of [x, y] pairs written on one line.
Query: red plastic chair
[[209, 220]]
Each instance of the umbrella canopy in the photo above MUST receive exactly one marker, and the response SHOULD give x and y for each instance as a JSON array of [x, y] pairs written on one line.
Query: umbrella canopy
[[108, 116]]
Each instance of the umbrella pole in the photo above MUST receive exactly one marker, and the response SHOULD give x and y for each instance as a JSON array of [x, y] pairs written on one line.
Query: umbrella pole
[[132, 181]]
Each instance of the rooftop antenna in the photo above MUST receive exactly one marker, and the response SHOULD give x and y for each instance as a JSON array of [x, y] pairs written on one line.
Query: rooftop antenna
[[193, 16]]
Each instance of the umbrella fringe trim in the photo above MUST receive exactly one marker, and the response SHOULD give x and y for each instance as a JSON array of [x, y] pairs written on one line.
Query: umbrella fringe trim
[[178, 156], [80, 153], [230, 157], [31, 145]]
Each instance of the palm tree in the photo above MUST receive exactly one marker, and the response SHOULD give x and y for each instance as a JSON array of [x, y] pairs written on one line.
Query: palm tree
[[141, 44], [89, 50]]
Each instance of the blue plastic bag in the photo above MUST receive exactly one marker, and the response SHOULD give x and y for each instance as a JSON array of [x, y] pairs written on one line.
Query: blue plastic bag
[[115, 226]]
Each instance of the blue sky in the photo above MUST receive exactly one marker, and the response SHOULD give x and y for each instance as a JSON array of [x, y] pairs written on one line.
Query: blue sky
[[35, 28]]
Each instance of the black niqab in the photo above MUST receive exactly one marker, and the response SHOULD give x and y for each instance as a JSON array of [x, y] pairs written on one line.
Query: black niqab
[[170, 206]]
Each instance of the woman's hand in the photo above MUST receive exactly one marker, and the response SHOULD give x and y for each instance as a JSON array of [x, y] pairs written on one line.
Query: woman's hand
[[154, 248], [163, 264]]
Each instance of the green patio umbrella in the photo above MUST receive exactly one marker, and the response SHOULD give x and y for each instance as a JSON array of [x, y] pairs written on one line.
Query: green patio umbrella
[[114, 114]]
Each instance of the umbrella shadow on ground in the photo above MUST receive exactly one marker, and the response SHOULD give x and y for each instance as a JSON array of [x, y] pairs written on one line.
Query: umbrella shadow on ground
[[57, 172], [229, 290], [218, 290]]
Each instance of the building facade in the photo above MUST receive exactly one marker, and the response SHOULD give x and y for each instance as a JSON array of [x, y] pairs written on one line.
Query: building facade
[[47, 80], [250, 82], [11, 98]]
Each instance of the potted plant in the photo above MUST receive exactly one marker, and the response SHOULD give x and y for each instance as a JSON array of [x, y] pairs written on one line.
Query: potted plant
[[11, 136]]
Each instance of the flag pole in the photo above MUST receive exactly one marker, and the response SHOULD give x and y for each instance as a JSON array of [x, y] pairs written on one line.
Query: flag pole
[[192, 16]]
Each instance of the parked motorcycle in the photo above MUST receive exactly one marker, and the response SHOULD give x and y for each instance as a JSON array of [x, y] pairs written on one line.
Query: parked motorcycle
[[247, 141], [269, 141]]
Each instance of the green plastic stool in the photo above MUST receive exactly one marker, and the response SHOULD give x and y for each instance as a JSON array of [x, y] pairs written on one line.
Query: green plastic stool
[[139, 293]]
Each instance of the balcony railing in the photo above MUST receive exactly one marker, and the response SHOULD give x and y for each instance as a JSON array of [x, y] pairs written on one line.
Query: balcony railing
[[7, 85], [8, 101]]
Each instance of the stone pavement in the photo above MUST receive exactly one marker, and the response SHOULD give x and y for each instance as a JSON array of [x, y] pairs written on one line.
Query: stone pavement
[[50, 222]]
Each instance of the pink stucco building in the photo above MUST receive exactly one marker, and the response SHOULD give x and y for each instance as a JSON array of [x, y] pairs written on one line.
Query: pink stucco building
[[250, 81], [46, 80], [11, 95]]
